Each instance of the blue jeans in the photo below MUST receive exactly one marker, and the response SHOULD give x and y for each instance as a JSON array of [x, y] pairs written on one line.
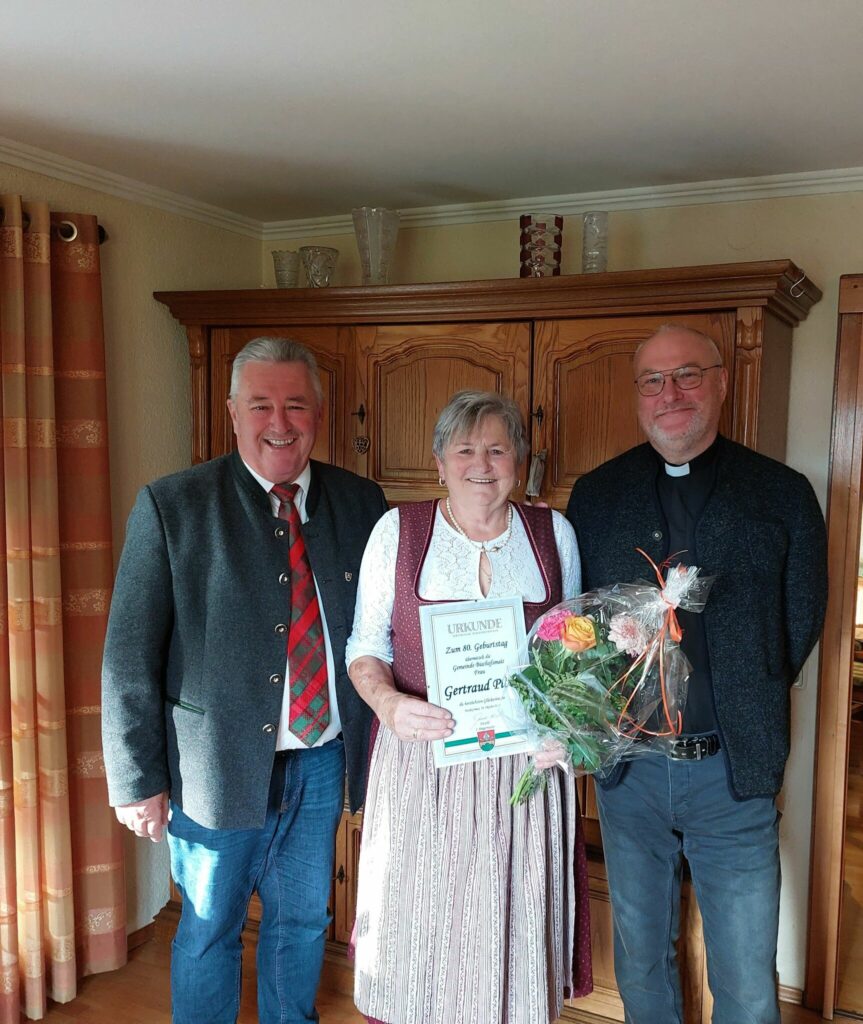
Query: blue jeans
[[660, 810], [289, 863]]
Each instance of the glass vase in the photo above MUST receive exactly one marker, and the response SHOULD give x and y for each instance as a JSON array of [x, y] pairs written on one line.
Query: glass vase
[[594, 243], [540, 240], [286, 266], [376, 229], [319, 262]]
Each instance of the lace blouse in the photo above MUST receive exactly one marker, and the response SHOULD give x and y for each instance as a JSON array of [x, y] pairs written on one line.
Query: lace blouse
[[450, 573]]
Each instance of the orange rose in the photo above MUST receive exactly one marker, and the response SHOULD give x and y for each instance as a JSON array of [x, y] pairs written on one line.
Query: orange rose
[[578, 634]]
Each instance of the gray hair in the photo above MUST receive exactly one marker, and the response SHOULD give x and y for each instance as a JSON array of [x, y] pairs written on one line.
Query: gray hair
[[670, 328], [276, 350], [467, 408]]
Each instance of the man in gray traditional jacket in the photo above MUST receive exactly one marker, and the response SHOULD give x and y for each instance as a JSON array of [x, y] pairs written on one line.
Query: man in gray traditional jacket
[[228, 715], [695, 497]]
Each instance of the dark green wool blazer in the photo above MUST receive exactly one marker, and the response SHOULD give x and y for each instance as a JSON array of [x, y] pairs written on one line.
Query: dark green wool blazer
[[193, 664], [762, 535]]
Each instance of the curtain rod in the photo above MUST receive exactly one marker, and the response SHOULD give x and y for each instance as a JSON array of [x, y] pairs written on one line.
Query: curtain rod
[[65, 230]]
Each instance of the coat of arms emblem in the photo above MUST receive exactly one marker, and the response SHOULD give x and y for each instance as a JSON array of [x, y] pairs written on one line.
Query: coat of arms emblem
[[486, 739]]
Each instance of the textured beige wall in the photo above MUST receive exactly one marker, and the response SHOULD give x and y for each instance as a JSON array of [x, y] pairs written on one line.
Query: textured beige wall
[[824, 236]]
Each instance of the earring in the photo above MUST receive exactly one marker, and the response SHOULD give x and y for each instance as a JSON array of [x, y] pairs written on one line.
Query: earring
[[518, 483], [441, 481]]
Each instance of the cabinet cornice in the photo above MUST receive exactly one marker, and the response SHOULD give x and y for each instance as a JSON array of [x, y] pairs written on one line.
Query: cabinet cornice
[[778, 285]]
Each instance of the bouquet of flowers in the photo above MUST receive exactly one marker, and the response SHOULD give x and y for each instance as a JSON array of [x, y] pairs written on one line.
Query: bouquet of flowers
[[606, 678]]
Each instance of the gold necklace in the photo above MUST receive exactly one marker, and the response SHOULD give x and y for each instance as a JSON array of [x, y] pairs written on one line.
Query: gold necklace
[[482, 544]]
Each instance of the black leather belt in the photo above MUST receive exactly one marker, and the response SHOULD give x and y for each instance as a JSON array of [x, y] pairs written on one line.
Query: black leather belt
[[693, 748]]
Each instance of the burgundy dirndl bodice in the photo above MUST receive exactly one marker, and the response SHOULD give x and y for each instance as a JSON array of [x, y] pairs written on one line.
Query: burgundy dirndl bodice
[[416, 525]]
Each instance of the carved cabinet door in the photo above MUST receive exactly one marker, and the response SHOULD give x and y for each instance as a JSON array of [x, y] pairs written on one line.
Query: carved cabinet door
[[405, 375], [583, 386], [330, 345]]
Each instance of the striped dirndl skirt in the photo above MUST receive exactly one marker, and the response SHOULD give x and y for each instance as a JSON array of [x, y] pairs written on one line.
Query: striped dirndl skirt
[[465, 905]]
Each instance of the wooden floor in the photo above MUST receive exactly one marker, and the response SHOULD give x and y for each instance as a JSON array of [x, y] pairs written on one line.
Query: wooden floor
[[139, 994]]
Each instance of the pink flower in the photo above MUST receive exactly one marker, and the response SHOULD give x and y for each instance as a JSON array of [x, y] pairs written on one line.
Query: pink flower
[[551, 625], [627, 634]]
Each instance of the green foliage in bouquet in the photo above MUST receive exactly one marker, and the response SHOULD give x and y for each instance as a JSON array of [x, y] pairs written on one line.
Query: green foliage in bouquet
[[572, 688]]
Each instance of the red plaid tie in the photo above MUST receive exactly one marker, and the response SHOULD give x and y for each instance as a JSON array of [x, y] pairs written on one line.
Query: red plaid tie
[[307, 656]]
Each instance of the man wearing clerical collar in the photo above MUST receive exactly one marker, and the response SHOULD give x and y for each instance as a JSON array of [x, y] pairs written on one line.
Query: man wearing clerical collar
[[693, 496]]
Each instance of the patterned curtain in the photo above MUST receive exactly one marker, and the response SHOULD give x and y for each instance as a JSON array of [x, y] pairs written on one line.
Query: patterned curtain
[[62, 907]]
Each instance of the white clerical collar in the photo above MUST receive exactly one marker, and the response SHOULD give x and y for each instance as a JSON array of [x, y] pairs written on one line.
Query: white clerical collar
[[304, 479], [677, 470]]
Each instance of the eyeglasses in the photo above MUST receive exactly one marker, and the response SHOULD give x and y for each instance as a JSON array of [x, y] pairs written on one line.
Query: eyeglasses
[[684, 377]]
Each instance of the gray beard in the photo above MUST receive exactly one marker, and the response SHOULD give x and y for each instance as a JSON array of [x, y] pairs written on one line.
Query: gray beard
[[680, 447]]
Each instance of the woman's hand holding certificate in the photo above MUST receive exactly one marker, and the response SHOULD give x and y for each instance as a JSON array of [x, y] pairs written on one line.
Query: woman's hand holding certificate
[[410, 718]]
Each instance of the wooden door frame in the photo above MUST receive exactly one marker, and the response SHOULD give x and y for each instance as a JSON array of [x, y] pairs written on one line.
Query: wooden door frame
[[837, 645]]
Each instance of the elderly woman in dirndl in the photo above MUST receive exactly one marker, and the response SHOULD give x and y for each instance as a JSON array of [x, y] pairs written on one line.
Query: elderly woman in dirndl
[[468, 909]]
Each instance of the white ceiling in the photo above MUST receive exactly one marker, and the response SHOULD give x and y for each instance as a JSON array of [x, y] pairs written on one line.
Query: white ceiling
[[284, 110]]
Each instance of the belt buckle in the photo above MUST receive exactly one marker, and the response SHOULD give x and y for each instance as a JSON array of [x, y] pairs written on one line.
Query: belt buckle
[[690, 748], [694, 748], [681, 749]]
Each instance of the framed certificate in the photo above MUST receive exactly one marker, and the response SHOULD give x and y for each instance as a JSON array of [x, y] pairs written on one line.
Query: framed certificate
[[469, 650]]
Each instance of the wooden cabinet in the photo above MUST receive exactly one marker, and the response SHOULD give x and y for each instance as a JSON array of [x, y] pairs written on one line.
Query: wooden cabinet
[[562, 348], [391, 356]]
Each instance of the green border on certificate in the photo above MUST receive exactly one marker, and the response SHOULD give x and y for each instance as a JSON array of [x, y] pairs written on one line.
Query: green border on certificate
[[470, 649]]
